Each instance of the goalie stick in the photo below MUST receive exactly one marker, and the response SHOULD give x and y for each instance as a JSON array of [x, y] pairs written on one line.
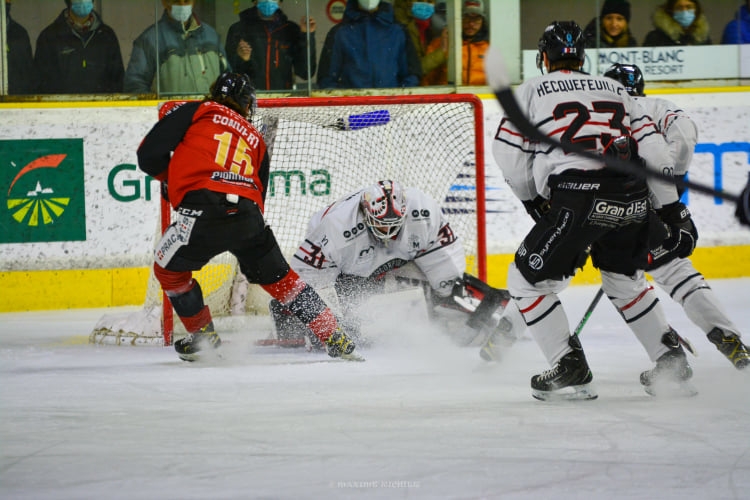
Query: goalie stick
[[499, 81]]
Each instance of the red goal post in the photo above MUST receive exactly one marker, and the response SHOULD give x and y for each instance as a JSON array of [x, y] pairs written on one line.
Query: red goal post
[[325, 147]]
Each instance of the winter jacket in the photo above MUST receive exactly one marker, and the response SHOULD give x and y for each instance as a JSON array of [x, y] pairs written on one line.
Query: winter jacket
[[430, 62], [626, 38], [367, 51], [190, 59], [69, 61], [474, 49], [21, 78], [738, 30], [668, 32], [279, 50]]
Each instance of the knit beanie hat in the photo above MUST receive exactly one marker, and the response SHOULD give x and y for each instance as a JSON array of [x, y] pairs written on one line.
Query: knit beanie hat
[[621, 7]]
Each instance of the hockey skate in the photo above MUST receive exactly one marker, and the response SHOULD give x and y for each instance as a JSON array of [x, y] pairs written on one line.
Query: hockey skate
[[498, 342], [339, 345], [189, 346], [730, 346], [569, 379], [671, 375]]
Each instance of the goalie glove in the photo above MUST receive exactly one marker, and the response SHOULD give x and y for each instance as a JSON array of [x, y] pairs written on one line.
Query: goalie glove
[[537, 207], [682, 236]]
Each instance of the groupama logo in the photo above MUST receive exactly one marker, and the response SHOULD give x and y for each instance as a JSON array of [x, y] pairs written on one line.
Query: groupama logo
[[44, 191]]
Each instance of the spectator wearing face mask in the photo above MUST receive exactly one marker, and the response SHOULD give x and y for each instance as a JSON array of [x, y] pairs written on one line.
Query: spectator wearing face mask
[[269, 48], [679, 22], [78, 53], [431, 44], [190, 54], [368, 49]]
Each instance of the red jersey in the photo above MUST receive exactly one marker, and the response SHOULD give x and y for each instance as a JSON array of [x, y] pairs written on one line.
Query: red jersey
[[205, 145]]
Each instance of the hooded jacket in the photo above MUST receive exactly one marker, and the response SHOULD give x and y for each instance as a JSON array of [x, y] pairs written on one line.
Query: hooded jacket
[[669, 32], [367, 50], [474, 49], [68, 61], [190, 59], [279, 50], [738, 30]]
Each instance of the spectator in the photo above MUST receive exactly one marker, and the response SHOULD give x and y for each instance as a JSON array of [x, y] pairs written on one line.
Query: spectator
[[269, 48], [368, 50], [738, 29], [476, 41], [431, 45], [190, 54], [614, 26], [20, 59], [78, 53], [679, 22]]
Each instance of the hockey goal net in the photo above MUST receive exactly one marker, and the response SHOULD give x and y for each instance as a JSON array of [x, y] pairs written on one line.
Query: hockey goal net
[[322, 149]]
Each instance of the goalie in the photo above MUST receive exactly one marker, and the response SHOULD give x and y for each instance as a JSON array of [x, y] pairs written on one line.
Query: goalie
[[385, 229]]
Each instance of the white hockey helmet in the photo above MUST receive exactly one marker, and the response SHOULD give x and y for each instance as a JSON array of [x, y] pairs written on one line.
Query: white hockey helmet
[[384, 206]]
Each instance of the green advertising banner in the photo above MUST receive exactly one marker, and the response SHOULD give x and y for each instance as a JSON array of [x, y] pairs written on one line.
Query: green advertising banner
[[42, 183]]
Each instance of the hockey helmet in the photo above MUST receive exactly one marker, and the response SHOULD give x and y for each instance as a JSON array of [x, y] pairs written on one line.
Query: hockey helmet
[[235, 88], [384, 207], [561, 40], [629, 75]]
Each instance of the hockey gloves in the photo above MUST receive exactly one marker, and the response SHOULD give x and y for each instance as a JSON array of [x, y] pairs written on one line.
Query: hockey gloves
[[537, 207], [682, 235], [743, 205]]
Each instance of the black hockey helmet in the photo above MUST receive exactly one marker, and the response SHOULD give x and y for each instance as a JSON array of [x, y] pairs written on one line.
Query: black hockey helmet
[[236, 91], [561, 40], [629, 75]]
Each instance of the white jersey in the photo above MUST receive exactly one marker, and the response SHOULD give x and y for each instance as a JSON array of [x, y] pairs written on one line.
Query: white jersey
[[339, 242], [678, 130], [573, 107]]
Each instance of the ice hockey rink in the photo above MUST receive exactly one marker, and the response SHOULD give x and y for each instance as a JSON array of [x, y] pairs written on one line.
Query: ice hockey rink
[[421, 418]]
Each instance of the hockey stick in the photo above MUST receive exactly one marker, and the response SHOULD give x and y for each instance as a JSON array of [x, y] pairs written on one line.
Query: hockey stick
[[499, 81], [589, 311]]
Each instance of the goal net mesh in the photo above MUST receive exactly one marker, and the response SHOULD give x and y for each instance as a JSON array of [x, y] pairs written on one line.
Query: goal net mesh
[[322, 149]]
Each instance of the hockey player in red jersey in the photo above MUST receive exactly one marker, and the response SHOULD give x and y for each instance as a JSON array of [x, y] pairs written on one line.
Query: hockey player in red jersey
[[214, 167], [669, 265], [581, 209], [387, 229]]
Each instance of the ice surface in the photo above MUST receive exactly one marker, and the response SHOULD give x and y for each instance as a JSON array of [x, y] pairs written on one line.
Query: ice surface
[[422, 418]]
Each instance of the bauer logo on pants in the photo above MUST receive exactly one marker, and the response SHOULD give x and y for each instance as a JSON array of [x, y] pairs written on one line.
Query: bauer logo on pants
[[42, 183]]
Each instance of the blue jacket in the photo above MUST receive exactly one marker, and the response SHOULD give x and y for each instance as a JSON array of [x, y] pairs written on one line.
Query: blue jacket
[[368, 51], [738, 30]]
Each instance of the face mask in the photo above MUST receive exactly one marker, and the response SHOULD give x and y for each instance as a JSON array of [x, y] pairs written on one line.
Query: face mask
[[267, 8], [82, 9], [684, 17], [181, 12], [422, 10], [368, 5]]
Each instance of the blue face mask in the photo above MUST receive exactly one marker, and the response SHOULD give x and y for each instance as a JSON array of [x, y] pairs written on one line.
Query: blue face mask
[[422, 10], [267, 8], [82, 9], [684, 17]]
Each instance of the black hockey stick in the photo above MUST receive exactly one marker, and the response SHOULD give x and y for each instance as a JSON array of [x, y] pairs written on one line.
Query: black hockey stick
[[589, 311], [499, 80]]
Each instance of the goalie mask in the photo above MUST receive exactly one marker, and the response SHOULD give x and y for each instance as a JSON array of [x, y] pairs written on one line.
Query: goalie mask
[[561, 40], [384, 206], [629, 75], [235, 91]]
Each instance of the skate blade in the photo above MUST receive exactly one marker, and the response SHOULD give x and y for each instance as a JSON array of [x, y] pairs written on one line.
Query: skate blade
[[571, 393], [202, 355], [671, 389]]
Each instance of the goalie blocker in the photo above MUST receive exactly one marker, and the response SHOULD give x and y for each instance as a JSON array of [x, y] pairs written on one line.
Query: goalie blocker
[[482, 304]]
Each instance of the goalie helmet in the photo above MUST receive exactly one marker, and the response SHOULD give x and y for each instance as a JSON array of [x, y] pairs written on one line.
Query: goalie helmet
[[235, 91], [384, 207], [629, 75], [561, 40]]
